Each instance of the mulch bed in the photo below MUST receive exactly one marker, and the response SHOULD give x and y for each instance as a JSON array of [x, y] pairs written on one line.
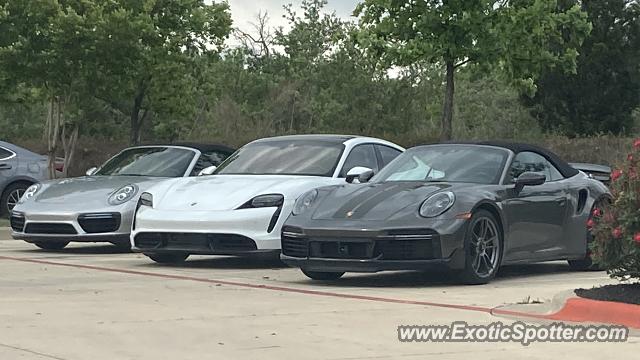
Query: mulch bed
[[624, 293]]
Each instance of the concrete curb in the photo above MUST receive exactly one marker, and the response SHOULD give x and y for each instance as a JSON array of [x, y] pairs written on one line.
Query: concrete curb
[[566, 306]]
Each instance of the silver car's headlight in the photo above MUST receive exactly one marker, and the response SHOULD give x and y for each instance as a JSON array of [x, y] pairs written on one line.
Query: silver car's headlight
[[437, 204], [123, 194], [29, 193], [304, 202]]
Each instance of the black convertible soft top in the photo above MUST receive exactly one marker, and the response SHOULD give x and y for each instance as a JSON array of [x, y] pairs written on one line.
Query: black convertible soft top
[[207, 147], [565, 169]]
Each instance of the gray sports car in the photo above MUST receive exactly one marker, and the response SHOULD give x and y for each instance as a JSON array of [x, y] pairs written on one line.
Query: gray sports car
[[469, 207], [99, 207]]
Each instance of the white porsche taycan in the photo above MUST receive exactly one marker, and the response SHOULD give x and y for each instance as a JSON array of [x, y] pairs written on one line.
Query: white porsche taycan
[[241, 208]]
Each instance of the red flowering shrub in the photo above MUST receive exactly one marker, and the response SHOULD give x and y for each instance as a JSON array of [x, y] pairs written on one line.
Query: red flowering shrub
[[616, 226]]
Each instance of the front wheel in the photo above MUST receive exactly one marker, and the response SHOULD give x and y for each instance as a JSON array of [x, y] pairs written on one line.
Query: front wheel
[[483, 249], [11, 196], [58, 245], [169, 258], [322, 275]]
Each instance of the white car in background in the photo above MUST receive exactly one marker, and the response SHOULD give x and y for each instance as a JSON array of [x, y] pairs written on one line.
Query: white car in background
[[241, 208]]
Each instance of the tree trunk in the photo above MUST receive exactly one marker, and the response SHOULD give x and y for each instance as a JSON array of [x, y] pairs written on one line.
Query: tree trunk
[[52, 133], [136, 119], [69, 146], [447, 111]]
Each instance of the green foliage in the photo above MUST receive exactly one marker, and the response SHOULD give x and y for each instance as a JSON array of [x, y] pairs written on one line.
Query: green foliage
[[602, 95], [616, 227], [519, 37]]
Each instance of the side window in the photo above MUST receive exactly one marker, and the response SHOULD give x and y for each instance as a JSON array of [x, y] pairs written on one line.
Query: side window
[[531, 162], [387, 154], [208, 158], [5, 154], [361, 155]]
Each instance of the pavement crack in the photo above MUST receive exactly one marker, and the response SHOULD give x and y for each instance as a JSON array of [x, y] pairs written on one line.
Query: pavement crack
[[31, 352]]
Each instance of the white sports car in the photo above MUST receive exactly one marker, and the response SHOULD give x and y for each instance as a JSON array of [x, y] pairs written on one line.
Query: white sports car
[[241, 208]]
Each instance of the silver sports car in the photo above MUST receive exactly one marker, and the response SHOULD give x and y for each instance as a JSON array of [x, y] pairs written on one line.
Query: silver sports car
[[99, 207]]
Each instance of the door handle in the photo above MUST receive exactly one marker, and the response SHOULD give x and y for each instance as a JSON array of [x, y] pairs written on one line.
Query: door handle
[[5, 166], [561, 202]]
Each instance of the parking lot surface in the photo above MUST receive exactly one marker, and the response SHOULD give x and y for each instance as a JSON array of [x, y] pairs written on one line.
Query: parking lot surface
[[97, 302]]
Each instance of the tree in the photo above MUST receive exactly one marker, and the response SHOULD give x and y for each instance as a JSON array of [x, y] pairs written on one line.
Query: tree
[[521, 36], [49, 45], [602, 95], [146, 45]]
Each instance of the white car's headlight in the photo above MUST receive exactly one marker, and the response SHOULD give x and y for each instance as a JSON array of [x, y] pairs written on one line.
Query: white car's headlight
[[263, 201], [437, 204], [123, 195], [29, 193], [304, 202]]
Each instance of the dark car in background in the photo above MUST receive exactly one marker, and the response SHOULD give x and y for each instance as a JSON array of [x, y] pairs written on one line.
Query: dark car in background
[[19, 169]]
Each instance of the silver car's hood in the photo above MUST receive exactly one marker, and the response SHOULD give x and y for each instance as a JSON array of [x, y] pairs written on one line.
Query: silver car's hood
[[88, 189]]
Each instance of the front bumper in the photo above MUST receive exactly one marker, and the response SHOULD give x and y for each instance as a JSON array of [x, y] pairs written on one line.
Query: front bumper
[[112, 227], [373, 250], [228, 232]]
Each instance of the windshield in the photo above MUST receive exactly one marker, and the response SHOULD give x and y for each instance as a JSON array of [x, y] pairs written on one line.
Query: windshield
[[450, 163], [286, 157], [149, 161]]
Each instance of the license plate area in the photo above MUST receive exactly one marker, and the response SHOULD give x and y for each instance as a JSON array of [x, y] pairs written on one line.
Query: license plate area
[[341, 249]]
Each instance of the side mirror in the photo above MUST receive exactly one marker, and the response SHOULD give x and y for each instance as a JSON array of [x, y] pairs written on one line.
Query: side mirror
[[529, 179], [356, 172], [91, 171], [207, 171]]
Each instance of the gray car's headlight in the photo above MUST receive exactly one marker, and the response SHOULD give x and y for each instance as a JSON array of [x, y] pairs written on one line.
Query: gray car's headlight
[[123, 194], [29, 193], [437, 204], [304, 202]]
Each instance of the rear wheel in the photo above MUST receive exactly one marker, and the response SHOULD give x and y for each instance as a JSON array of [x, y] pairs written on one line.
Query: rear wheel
[[483, 249], [11, 196], [168, 258], [322, 275], [587, 263], [50, 245]]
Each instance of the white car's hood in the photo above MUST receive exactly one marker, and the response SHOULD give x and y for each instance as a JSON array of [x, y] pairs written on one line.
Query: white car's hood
[[227, 192]]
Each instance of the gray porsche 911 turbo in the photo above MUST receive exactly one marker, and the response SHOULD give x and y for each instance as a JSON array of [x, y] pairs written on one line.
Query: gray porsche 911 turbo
[[99, 207], [469, 207]]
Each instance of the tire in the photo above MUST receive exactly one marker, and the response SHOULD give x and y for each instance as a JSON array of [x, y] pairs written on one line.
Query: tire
[[10, 197], [321, 275], [168, 258], [587, 263], [51, 245], [483, 246]]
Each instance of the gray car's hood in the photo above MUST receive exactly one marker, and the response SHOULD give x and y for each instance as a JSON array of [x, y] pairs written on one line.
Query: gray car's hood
[[375, 201], [88, 189]]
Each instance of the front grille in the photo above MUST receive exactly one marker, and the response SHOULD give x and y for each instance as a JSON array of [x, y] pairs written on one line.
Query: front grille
[[404, 244], [341, 249], [294, 246], [195, 242], [99, 222], [50, 228], [405, 249], [17, 222]]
